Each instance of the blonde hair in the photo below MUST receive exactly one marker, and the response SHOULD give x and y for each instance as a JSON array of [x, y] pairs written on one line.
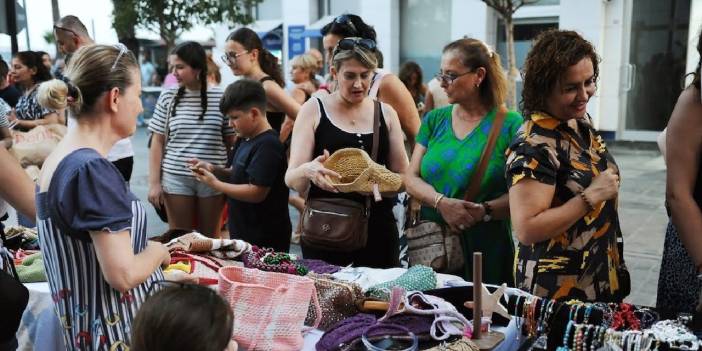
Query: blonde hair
[[367, 57], [473, 54], [304, 61], [93, 70]]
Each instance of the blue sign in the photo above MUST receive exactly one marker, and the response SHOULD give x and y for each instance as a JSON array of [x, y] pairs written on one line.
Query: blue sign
[[296, 41]]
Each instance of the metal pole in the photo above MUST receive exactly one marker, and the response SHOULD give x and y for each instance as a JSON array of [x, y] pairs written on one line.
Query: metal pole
[[12, 24], [26, 27]]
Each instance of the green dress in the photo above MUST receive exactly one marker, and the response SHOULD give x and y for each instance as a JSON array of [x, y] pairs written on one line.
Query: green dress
[[449, 163]]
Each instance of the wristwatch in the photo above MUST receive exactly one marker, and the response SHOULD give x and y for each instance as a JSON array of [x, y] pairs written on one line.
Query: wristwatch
[[488, 212]]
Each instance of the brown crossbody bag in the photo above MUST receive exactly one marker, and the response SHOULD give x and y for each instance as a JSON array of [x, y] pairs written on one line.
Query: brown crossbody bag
[[432, 244], [337, 224]]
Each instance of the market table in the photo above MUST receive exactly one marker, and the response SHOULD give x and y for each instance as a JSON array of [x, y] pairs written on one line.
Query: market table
[[40, 328]]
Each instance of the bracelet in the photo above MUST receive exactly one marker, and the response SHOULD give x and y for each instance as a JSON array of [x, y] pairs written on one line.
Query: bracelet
[[437, 199], [587, 201]]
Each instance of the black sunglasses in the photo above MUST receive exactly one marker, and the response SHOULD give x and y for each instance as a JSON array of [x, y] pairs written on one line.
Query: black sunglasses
[[351, 43], [346, 20]]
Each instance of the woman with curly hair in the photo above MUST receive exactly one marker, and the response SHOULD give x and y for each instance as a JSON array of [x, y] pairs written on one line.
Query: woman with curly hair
[[563, 181]]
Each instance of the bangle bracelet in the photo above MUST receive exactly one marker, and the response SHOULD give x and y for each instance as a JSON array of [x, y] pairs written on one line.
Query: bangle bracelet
[[587, 201], [437, 199]]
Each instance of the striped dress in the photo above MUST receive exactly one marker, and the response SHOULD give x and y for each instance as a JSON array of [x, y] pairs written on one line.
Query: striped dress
[[87, 193], [188, 136]]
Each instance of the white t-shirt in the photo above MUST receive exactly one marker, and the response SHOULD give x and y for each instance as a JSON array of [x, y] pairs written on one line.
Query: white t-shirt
[[121, 149], [189, 137]]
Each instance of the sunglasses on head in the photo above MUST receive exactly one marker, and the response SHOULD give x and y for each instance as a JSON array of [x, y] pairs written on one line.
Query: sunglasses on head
[[346, 20], [351, 43], [66, 29]]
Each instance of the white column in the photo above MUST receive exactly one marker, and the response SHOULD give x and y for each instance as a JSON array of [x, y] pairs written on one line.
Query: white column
[[589, 19], [693, 35], [384, 16], [295, 12]]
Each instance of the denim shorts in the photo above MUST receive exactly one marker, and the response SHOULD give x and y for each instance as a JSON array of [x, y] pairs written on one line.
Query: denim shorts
[[174, 184]]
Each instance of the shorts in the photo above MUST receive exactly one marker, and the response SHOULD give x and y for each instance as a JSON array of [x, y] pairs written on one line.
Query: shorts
[[174, 184]]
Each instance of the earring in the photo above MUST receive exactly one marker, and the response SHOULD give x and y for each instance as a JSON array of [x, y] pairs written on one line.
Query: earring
[[477, 85]]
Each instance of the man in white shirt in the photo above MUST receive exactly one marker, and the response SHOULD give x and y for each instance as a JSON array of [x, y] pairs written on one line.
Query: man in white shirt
[[71, 34]]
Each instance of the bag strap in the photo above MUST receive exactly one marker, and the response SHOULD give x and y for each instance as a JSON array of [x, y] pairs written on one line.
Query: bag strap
[[377, 109], [474, 184]]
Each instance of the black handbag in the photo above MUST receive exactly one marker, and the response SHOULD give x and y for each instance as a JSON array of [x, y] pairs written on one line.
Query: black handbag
[[336, 224]]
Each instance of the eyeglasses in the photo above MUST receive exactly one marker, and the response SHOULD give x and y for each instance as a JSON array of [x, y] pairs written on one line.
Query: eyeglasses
[[346, 20], [66, 29], [122, 50], [351, 43], [448, 79], [231, 57]]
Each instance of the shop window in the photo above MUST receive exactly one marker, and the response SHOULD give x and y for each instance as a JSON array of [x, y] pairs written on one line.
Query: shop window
[[424, 30]]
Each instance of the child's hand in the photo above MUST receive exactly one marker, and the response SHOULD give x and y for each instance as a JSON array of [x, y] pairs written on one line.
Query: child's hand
[[203, 175], [196, 163]]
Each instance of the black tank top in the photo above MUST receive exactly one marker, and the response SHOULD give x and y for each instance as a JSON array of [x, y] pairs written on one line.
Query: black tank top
[[275, 119], [330, 137]]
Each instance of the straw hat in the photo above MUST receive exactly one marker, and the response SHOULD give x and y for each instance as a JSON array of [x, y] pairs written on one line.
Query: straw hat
[[359, 173]]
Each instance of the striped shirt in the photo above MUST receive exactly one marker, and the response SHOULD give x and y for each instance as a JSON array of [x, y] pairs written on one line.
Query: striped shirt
[[189, 137], [87, 193]]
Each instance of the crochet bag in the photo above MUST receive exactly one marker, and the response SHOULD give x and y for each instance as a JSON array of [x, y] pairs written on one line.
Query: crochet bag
[[336, 224], [269, 308], [336, 298], [430, 243]]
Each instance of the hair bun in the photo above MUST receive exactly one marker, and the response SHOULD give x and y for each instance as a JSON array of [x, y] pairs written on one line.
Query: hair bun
[[53, 94]]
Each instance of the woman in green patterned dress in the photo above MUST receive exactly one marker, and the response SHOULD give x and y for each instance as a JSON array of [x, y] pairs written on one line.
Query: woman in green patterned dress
[[449, 144]]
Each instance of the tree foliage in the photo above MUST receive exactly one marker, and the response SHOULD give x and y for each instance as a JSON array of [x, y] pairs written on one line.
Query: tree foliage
[[506, 9], [170, 18]]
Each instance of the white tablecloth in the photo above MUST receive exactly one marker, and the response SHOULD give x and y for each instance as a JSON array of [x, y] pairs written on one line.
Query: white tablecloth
[[40, 328]]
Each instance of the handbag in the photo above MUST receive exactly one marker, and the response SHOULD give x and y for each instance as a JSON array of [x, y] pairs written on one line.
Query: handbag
[[269, 308], [432, 244], [336, 224], [337, 300]]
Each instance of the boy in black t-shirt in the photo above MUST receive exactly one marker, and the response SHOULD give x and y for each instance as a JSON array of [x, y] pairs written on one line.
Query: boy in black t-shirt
[[254, 185]]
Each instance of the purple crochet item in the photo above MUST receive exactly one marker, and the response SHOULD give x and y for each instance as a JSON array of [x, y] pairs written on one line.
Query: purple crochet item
[[351, 329], [319, 266]]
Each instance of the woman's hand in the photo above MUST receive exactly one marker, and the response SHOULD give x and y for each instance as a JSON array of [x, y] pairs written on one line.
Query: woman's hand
[[166, 255], [456, 215], [604, 187], [319, 175], [156, 195]]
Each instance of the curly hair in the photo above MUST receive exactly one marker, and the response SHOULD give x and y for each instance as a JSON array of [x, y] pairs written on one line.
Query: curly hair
[[553, 52]]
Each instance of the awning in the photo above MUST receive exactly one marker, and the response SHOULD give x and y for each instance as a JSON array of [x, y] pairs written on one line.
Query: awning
[[262, 27], [314, 30]]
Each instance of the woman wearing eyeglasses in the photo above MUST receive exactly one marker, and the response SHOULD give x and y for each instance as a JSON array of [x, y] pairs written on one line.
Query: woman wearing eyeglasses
[[92, 229], [28, 72], [341, 120], [449, 146], [187, 124], [246, 57]]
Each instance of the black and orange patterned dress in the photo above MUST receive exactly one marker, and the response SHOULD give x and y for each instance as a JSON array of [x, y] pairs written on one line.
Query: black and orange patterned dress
[[582, 262]]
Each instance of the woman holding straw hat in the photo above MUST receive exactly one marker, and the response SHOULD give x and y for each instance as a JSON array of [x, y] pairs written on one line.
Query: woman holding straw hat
[[341, 120]]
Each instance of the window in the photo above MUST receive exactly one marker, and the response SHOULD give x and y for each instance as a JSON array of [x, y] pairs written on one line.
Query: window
[[424, 31], [525, 30], [544, 2]]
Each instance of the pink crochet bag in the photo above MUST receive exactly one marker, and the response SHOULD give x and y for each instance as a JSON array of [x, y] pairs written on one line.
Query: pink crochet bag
[[269, 308]]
